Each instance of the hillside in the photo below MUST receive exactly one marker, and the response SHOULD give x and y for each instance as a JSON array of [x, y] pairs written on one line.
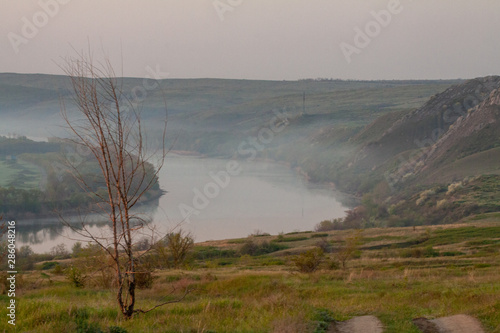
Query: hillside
[[433, 165], [214, 117], [398, 138], [395, 274], [474, 139], [215, 110], [386, 141], [36, 179]]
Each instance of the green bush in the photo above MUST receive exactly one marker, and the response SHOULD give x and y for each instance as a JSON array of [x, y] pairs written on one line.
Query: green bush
[[58, 270], [49, 265], [328, 225], [212, 252], [308, 261], [254, 249], [281, 239], [319, 235], [323, 318], [144, 278], [75, 276], [179, 245]]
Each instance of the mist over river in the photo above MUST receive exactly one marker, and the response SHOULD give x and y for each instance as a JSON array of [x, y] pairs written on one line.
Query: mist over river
[[204, 198]]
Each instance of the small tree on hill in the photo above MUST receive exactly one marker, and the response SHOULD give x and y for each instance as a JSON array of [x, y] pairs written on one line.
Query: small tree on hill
[[179, 246], [309, 261], [108, 126], [349, 249]]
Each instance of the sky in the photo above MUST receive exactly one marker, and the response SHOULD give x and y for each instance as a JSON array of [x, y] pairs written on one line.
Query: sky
[[257, 39]]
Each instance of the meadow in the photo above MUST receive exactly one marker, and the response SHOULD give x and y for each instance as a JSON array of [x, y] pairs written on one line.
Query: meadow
[[19, 174], [396, 274]]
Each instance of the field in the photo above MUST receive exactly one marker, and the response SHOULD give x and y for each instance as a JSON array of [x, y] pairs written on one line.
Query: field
[[19, 174], [396, 274]]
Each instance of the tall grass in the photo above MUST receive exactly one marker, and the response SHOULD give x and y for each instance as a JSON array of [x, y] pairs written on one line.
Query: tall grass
[[247, 296]]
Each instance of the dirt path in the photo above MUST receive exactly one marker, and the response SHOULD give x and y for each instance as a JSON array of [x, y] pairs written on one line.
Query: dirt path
[[363, 324], [453, 324]]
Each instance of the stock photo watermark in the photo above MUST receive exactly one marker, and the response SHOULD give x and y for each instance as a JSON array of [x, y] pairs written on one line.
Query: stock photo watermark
[[11, 272], [31, 26], [372, 29], [248, 150], [223, 6]]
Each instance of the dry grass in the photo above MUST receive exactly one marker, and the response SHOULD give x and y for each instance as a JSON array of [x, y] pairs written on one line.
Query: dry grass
[[249, 297]]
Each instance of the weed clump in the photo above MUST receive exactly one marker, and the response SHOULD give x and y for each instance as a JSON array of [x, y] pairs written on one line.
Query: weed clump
[[75, 276], [309, 261]]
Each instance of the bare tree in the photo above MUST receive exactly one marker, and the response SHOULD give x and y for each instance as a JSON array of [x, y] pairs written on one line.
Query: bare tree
[[108, 125]]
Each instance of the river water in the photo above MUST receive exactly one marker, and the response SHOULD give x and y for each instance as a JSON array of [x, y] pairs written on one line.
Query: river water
[[210, 202]]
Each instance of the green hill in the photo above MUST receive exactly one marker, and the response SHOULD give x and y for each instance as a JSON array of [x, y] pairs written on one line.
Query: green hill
[[406, 164], [204, 106], [385, 140]]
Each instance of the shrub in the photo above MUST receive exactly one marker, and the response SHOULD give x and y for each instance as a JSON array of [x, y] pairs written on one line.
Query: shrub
[[350, 249], [323, 318], [308, 261], [430, 252], [282, 239], [143, 244], [58, 270], [95, 265], [328, 225], [333, 265], [325, 225], [319, 235], [179, 246], [60, 252], [441, 203], [325, 245], [424, 196], [452, 188], [211, 252], [76, 249], [75, 276], [253, 249], [25, 251], [49, 264], [259, 233], [144, 278]]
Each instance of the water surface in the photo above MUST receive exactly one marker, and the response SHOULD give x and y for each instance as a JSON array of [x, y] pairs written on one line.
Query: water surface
[[265, 197]]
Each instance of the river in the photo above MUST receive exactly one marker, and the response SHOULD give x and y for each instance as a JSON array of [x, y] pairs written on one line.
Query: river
[[210, 202]]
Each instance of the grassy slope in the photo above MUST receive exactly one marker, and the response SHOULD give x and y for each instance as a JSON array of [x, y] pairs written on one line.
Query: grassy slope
[[22, 174], [214, 116], [485, 162], [397, 277]]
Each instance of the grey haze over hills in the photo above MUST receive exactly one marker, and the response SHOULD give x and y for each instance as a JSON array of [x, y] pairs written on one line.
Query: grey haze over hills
[[383, 140], [30, 104]]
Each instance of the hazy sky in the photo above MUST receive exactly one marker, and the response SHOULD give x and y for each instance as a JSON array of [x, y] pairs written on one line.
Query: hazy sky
[[258, 39]]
